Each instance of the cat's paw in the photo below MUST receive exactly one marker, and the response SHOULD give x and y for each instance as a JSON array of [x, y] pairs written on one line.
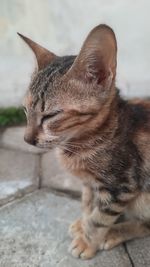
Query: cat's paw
[[75, 229], [112, 240], [79, 248]]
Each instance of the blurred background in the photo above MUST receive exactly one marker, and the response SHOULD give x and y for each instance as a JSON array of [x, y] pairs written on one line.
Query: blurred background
[[61, 26]]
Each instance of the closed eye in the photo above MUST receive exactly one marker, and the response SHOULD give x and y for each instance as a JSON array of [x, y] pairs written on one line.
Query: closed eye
[[51, 115]]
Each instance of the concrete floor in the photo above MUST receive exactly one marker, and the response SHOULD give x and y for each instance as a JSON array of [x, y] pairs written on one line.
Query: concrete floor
[[34, 232]]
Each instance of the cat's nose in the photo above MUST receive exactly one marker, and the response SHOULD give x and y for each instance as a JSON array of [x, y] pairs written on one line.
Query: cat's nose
[[29, 137]]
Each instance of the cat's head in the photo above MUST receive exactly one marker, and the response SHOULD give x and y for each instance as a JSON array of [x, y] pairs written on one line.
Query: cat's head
[[70, 96]]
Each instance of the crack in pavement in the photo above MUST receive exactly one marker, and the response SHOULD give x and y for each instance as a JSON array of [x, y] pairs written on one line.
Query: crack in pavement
[[128, 254]]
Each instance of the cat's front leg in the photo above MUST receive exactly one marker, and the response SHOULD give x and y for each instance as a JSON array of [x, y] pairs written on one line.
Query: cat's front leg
[[97, 224], [92, 238], [76, 228]]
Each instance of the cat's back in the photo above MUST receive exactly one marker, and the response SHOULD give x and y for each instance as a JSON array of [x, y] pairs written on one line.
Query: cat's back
[[141, 137], [140, 114]]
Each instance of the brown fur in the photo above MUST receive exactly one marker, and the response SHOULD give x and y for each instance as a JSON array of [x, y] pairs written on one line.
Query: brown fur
[[73, 104]]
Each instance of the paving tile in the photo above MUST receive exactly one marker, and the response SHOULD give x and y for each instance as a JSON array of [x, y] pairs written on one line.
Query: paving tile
[[19, 174], [54, 175], [34, 234], [13, 137], [139, 251]]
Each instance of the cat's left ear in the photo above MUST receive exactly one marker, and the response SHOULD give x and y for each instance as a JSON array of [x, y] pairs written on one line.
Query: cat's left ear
[[97, 58], [43, 56]]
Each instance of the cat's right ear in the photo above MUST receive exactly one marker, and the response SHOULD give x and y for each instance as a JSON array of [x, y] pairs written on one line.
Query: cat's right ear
[[43, 56], [97, 58]]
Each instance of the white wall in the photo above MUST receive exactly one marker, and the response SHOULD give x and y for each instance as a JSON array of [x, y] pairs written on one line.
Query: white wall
[[62, 25]]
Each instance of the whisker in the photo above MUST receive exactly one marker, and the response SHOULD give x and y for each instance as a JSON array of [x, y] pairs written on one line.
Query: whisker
[[68, 149]]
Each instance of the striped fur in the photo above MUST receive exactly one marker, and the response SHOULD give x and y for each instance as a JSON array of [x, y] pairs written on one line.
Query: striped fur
[[73, 104]]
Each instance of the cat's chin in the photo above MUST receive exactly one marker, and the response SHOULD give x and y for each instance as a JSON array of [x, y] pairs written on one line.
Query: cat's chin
[[44, 146]]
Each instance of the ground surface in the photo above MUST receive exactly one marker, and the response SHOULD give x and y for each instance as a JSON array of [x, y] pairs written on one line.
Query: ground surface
[[34, 220]]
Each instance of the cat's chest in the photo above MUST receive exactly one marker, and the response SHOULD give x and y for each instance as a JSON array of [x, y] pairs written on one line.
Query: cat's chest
[[76, 164]]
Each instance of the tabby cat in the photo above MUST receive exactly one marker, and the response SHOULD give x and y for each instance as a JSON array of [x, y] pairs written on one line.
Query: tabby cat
[[73, 104]]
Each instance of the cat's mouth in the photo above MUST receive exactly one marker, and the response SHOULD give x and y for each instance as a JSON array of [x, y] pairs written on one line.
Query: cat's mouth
[[45, 145]]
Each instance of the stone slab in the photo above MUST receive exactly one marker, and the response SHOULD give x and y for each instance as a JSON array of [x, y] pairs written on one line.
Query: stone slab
[[19, 174], [34, 233], [139, 251], [13, 138], [56, 177]]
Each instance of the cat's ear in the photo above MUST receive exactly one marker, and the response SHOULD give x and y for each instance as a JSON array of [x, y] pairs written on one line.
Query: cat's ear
[[43, 56], [97, 58]]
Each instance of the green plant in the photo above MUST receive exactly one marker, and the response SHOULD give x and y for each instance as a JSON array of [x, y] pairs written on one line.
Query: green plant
[[11, 116]]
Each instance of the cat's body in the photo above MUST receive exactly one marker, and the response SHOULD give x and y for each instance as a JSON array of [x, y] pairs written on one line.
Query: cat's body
[[73, 104]]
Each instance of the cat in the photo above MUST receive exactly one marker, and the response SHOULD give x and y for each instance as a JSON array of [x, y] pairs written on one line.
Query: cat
[[73, 104]]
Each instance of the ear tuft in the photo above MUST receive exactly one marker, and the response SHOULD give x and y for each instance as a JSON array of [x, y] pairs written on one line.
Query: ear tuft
[[43, 56]]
